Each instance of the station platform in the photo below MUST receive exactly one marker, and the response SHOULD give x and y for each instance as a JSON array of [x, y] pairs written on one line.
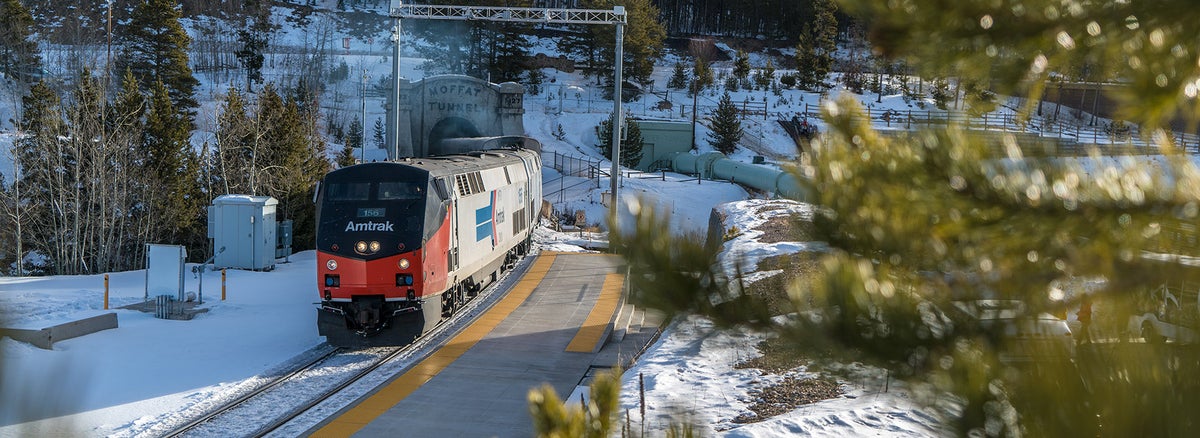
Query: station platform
[[564, 318]]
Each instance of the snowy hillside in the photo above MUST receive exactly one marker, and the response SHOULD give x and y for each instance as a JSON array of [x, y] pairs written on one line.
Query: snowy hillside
[[124, 381]]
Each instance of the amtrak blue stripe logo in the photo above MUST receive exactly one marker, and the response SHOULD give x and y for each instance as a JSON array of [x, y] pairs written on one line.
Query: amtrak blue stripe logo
[[483, 222]]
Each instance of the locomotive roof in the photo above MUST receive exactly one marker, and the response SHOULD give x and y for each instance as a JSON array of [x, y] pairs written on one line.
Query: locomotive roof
[[445, 164]]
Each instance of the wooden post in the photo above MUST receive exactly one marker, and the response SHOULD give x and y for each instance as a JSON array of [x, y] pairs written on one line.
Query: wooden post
[[105, 291], [222, 285]]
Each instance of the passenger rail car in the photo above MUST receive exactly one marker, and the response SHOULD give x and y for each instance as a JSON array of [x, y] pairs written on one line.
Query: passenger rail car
[[402, 245]]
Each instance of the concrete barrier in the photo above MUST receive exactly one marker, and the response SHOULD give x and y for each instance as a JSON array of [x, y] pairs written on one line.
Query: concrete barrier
[[45, 338]]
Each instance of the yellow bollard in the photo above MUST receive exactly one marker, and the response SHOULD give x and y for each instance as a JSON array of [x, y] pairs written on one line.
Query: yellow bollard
[[222, 285], [105, 291]]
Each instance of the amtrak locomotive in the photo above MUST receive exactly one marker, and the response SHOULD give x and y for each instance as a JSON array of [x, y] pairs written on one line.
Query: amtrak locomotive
[[402, 245]]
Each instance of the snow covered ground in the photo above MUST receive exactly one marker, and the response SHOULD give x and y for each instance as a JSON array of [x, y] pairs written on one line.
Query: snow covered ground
[[116, 382], [689, 375]]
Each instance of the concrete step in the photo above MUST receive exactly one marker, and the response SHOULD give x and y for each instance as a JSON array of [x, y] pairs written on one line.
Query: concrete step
[[621, 326], [634, 339], [636, 319], [649, 321], [46, 337]]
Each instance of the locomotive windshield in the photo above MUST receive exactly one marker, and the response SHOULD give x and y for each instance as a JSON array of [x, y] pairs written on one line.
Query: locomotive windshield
[[389, 212], [348, 191], [397, 190]]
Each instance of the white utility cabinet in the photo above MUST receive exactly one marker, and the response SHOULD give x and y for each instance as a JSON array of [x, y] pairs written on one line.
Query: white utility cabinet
[[245, 226]]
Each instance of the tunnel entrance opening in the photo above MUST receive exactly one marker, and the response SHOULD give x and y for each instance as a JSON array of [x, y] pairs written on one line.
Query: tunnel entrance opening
[[450, 127]]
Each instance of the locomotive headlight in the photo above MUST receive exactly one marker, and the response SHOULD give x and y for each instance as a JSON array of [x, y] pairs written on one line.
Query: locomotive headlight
[[331, 264], [403, 264], [374, 246], [360, 246]]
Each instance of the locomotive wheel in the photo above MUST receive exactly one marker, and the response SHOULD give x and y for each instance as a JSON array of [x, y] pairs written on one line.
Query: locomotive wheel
[[450, 302]]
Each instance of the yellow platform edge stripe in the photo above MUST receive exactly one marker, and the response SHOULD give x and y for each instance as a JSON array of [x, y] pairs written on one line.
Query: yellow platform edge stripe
[[353, 420], [590, 333]]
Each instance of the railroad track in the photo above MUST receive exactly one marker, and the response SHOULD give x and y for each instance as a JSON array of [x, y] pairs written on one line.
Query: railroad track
[[328, 380], [285, 396]]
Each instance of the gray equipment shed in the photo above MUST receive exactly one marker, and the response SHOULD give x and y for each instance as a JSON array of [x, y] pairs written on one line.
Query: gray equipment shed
[[245, 226], [663, 139]]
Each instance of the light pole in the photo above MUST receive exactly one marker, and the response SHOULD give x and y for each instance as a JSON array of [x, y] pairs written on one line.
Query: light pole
[[363, 135], [617, 118]]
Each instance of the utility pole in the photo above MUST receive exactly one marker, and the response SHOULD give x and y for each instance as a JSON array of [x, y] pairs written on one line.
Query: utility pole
[[395, 146], [618, 120], [363, 134]]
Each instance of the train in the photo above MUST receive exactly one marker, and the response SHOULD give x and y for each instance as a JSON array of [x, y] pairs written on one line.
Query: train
[[403, 244]]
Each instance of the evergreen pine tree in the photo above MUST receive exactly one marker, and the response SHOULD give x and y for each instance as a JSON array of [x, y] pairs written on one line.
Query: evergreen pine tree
[[41, 124], [939, 90], [380, 134], [741, 65], [38, 155], [93, 172], [235, 146], [764, 78], [816, 46], [277, 130], [126, 123], [446, 52], [824, 35], [631, 140], [919, 227], [731, 84], [580, 45], [293, 156], [644, 37], [509, 48], [172, 167], [253, 38], [726, 126], [155, 48], [533, 86], [788, 80], [19, 58], [632, 145], [482, 49], [128, 107], [354, 134], [679, 79], [346, 157], [702, 76]]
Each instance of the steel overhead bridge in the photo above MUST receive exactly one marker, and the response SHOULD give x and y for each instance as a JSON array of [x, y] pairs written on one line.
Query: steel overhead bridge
[[501, 13]]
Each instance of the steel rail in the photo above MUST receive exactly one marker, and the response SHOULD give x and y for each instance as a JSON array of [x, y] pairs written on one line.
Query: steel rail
[[274, 383]]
